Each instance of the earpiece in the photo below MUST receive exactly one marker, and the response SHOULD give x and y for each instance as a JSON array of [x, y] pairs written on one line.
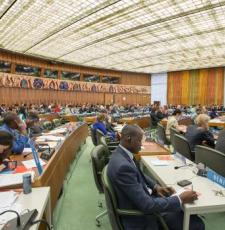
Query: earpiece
[[129, 138]]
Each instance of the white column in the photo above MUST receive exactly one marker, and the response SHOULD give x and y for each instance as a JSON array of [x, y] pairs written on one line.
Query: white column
[[159, 88]]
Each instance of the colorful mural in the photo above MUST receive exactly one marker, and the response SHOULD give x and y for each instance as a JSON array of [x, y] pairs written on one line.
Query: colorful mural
[[21, 81]]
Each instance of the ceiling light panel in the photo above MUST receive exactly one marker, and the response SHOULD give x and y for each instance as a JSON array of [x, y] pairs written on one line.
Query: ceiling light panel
[[148, 36]]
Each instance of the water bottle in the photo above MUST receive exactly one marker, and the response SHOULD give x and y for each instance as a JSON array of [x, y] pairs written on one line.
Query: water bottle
[[27, 183]]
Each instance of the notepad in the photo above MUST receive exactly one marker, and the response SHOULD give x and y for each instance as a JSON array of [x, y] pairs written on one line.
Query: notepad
[[165, 157]]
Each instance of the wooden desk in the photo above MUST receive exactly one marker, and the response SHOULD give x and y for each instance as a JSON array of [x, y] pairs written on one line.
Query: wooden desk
[[70, 117], [90, 120], [143, 122], [49, 117], [150, 149], [217, 122], [58, 166]]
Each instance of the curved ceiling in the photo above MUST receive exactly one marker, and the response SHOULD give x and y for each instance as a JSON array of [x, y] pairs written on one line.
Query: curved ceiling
[[132, 35]]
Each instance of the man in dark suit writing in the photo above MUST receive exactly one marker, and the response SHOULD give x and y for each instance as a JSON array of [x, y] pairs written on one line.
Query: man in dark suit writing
[[135, 190]]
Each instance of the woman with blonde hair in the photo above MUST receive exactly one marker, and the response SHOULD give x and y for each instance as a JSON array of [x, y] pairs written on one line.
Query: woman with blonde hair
[[199, 133]]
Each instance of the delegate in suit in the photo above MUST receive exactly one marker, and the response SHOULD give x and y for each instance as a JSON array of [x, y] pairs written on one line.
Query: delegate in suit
[[134, 190]]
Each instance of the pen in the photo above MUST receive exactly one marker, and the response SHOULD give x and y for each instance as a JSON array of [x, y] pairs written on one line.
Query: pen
[[192, 187]]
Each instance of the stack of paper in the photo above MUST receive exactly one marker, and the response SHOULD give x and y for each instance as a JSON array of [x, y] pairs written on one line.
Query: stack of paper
[[27, 150], [60, 130], [49, 138]]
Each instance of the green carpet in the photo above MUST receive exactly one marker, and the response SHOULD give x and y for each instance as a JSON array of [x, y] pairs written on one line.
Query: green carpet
[[77, 208]]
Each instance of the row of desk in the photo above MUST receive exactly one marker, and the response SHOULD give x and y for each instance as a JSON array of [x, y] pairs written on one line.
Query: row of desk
[[216, 122], [47, 187], [143, 122], [167, 175]]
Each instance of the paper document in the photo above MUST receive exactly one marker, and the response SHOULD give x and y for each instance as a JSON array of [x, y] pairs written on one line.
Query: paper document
[[49, 138], [31, 163], [13, 179], [160, 163], [61, 130], [7, 198], [27, 150]]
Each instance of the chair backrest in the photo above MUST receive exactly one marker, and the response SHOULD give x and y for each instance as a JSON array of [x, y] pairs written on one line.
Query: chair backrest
[[99, 159], [161, 135], [48, 125], [211, 158], [93, 135], [173, 131], [111, 202], [56, 122], [103, 141], [99, 134], [182, 146]]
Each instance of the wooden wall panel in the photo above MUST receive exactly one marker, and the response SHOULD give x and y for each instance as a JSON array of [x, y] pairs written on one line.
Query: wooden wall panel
[[11, 96], [203, 86]]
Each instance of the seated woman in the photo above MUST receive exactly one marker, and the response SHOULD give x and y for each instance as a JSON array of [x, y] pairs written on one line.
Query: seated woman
[[6, 143], [172, 122], [99, 124], [199, 134]]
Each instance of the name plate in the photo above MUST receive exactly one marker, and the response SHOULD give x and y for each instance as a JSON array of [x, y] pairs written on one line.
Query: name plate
[[215, 177]]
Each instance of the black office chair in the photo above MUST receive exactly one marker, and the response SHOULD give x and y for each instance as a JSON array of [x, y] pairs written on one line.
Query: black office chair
[[110, 145], [211, 158], [173, 131], [161, 139], [114, 212], [93, 135], [99, 159], [99, 134], [182, 147]]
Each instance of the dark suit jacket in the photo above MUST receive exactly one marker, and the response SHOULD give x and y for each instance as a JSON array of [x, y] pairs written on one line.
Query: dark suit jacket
[[154, 118], [196, 136], [220, 144], [132, 193]]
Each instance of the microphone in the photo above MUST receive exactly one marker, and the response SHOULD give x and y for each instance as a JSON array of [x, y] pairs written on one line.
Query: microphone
[[177, 167]]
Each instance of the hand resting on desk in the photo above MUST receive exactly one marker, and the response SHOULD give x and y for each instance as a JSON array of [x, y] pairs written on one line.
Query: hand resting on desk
[[188, 196]]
